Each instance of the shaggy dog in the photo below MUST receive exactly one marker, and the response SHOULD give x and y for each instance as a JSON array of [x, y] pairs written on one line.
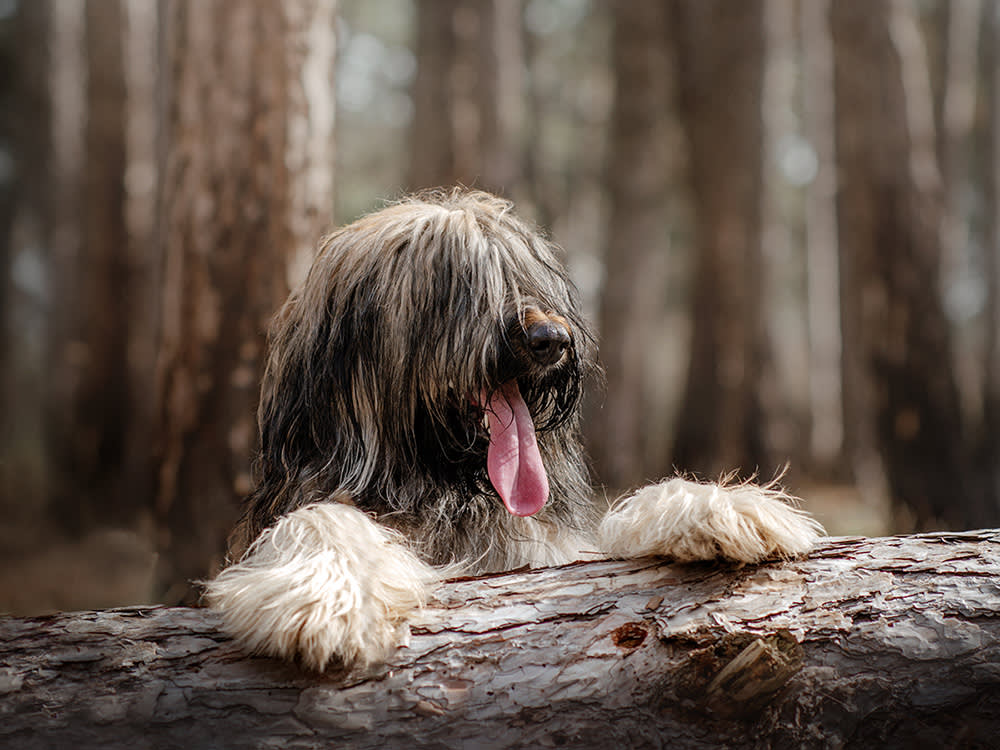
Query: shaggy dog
[[420, 416]]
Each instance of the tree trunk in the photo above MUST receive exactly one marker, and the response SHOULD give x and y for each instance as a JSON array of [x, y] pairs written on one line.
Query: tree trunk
[[500, 52], [247, 194], [781, 387], [901, 401], [432, 157], [720, 69], [467, 95], [867, 643], [989, 450], [28, 129], [634, 294], [87, 368], [955, 110], [86, 138], [822, 296], [142, 294]]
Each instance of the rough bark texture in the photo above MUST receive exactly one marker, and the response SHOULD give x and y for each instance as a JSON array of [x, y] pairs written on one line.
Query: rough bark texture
[[867, 643], [248, 190]]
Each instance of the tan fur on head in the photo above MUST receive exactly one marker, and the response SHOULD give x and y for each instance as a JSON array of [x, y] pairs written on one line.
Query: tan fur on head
[[688, 521], [324, 582]]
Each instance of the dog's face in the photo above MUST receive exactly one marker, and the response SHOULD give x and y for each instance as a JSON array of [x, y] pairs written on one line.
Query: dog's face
[[436, 344]]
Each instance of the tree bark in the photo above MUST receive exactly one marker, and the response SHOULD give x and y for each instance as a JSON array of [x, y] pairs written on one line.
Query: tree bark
[[720, 72], [634, 295], [887, 642], [467, 95], [955, 118], [989, 449], [432, 134], [500, 52], [900, 397], [823, 290], [248, 190], [38, 185], [87, 369]]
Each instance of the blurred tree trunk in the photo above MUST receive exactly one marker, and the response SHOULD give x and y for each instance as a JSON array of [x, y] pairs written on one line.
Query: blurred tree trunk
[[432, 157], [248, 191], [634, 293], [720, 69], [783, 385], [467, 95], [501, 95], [11, 129], [822, 297], [955, 112], [87, 367], [901, 402], [143, 54], [989, 450], [28, 229], [75, 163]]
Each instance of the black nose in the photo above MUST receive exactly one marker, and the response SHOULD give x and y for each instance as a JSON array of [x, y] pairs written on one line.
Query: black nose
[[547, 341]]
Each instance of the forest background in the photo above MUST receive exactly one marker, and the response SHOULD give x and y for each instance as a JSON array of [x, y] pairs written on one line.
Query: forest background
[[782, 215]]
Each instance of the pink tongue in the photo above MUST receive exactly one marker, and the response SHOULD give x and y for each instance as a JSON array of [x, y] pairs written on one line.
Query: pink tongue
[[514, 463]]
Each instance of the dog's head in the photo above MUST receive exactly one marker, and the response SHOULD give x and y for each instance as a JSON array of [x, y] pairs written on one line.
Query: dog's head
[[436, 345]]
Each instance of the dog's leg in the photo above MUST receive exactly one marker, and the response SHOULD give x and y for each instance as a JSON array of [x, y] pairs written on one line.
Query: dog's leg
[[689, 521], [325, 582]]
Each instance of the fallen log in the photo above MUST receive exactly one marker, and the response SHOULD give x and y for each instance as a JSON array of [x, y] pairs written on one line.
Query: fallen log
[[891, 642]]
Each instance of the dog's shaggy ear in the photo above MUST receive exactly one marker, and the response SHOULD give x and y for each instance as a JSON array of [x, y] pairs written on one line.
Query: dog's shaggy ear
[[296, 437], [689, 521]]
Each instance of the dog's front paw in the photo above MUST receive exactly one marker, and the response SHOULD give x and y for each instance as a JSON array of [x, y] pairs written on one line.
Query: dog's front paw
[[689, 521], [324, 583]]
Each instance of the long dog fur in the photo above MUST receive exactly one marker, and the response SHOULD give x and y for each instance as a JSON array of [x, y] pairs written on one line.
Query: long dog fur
[[422, 333]]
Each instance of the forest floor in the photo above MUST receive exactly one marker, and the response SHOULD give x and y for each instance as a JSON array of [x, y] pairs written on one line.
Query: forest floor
[[41, 573]]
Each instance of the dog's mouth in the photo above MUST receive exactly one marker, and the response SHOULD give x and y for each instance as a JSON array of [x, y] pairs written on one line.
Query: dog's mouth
[[513, 462], [540, 348]]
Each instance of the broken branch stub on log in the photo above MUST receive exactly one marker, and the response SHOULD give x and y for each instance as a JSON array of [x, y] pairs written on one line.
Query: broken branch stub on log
[[890, 642]]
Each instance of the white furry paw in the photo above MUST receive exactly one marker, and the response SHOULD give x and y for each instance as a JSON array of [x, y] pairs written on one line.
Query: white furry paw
[[689, 521], [324, 583]]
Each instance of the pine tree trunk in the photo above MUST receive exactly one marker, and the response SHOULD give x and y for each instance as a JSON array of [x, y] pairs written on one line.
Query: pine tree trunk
[[467, 95], [500, 52], [432, 134], [989, 450], [633, 297], [901, 400], [720, 69], [88, 369], [822, 296], [32, 194], [867, 643], [248, 192]]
